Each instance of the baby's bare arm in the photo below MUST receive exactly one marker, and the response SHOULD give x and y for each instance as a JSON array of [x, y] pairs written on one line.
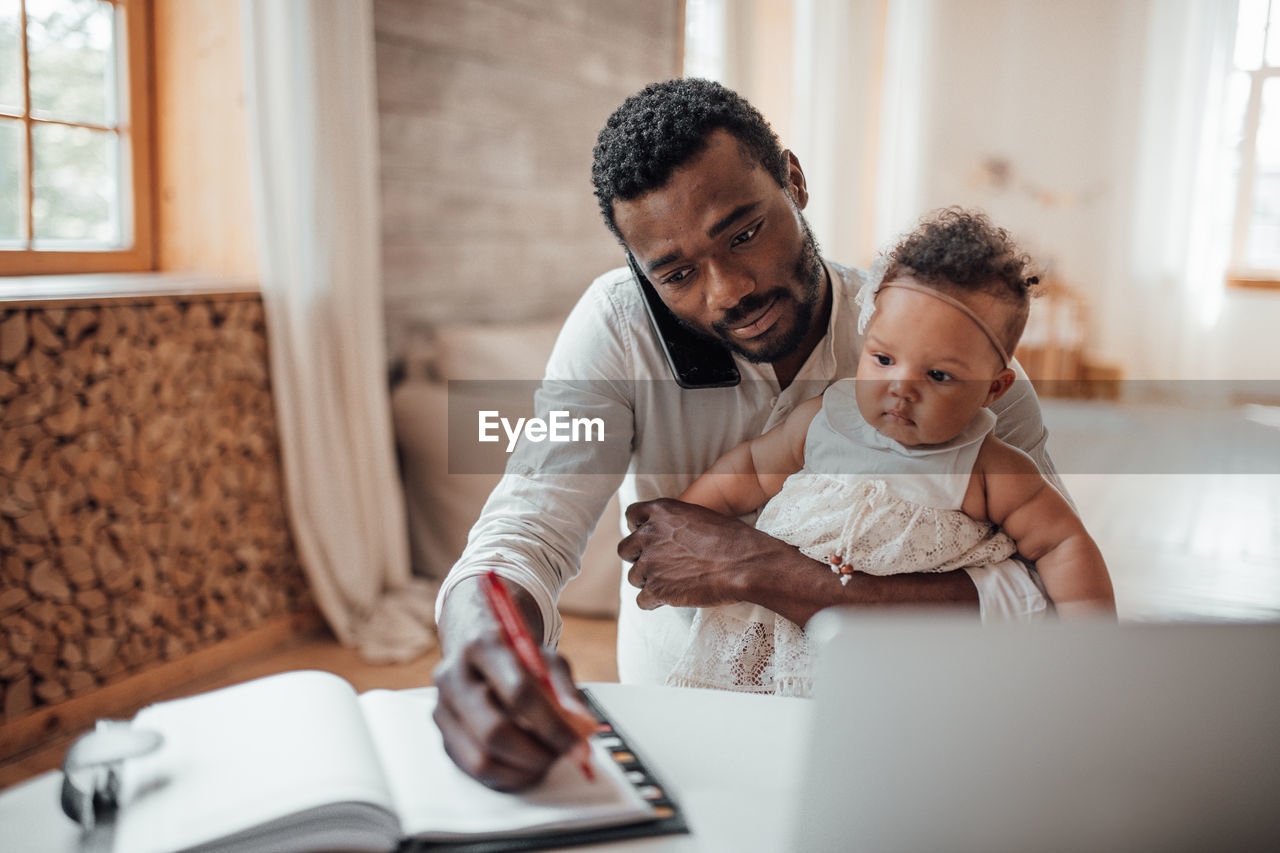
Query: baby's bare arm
[[1046, 530], [754, 471], [731, 486]]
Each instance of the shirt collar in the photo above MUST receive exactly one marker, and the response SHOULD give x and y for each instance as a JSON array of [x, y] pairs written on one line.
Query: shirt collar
[[825, 362]]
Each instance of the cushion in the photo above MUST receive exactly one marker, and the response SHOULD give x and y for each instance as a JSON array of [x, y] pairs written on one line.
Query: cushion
[[497, 351]]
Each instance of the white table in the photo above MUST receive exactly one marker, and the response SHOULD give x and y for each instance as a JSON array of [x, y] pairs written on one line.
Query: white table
[[731, 760]]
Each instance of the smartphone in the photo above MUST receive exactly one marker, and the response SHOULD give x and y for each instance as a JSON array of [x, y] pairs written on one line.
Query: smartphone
[[695, 362]]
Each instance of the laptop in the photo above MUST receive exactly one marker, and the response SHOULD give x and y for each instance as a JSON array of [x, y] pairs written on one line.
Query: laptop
[[931, 734]]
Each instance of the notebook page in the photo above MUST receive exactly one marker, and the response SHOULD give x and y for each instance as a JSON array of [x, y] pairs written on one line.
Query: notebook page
[[435, 799], [247, 755]]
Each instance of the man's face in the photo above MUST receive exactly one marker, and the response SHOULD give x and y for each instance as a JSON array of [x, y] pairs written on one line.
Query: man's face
[[729, 251]]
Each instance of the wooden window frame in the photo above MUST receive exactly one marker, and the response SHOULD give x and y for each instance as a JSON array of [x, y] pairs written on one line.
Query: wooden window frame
[[1239, 274], [134, 127]]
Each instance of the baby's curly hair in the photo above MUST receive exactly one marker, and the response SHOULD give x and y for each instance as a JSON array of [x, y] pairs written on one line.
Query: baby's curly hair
[[960, 251], [664, 126]]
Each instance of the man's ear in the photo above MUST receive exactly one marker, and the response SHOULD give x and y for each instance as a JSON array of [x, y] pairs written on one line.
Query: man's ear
[[795, 180], [999, 386]]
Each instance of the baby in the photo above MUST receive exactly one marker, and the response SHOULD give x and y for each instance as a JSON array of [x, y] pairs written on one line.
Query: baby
[[898, 470]]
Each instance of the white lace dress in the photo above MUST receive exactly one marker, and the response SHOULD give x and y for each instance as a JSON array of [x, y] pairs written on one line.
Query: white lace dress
[[862, 500]]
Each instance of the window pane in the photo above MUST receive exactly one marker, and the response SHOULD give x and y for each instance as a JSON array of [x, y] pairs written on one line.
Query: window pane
[[1269, 127], [1262, 246], [1273, 36], [1251, 25], [12, 161], [10, 57], [1232, 142], [1233, 110], [72, 58], [77, 193]]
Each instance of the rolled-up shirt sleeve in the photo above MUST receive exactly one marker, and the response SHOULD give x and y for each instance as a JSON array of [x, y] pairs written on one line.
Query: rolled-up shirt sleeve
[[535, 525], [1008, 591]]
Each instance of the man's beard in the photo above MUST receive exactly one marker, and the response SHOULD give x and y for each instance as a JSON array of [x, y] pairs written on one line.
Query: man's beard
[[808, 269]]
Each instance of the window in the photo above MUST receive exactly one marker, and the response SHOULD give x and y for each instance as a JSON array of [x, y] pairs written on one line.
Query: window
[[1254, 110], [75, 168]]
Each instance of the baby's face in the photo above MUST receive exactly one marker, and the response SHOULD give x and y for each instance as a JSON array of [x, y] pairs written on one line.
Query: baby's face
[[925, 368]]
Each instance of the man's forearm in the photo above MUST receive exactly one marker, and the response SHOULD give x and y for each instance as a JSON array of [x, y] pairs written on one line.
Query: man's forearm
[[465, 615], [796, 587]]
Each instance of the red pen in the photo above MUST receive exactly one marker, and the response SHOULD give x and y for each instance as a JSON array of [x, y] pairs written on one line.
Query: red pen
[[516, 635]]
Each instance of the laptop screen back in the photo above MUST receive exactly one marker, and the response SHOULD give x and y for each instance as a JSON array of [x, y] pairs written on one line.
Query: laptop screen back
[[943, 735]]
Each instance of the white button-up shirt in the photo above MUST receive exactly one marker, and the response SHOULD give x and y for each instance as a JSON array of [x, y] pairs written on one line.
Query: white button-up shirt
[[658, 438]]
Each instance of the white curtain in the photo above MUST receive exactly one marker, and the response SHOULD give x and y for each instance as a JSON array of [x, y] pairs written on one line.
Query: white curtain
[[907, 66], [312, 115], [837, 49], [1183, 199]]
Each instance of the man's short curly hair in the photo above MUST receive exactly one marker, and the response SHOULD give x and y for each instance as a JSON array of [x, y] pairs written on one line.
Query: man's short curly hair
[[664, 126], [960, 251]]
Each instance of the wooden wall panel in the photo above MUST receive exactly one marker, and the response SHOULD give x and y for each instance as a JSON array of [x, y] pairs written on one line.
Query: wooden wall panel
[[204, 208], [488, 110]]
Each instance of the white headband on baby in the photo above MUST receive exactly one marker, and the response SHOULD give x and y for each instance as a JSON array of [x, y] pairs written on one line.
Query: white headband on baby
[[866, 300]]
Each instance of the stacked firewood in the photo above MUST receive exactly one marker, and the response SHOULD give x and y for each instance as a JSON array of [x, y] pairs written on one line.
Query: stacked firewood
[[141, 506]]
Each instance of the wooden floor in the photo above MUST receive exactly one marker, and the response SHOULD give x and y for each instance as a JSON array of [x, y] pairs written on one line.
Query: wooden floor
[[588, 643], [1183, 502]]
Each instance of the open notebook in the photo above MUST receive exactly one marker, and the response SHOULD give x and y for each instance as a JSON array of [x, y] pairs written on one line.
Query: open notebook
[[298, 761]]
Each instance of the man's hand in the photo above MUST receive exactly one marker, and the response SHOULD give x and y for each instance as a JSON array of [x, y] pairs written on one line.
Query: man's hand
[[499, 724], [689, 556]]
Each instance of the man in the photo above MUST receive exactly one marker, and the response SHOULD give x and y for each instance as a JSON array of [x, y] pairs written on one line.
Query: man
[[694, 184]]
